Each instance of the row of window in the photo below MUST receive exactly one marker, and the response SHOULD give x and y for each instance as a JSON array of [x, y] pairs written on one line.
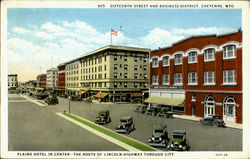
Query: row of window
[[104, 84], [126, 67], [229, 77], [126, 58], [89, 70], [229, 52], [126, 75]]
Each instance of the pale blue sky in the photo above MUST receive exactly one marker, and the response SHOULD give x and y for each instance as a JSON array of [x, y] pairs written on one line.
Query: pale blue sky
[[36, 35]]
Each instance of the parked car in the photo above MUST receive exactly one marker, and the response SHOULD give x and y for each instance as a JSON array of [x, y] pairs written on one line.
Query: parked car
[[126, 125], [76, 98], [212, 120], [50, 100], [152, 110], [103, 117], [179, 141], [164, 112], [159, 137], [141, 109]]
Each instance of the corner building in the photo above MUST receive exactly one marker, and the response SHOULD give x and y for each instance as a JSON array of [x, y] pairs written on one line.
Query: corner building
[[206, 69]]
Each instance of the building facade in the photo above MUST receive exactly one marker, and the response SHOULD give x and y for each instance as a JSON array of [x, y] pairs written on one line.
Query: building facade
[[51, 79], [61, 79], [12, 83], [41, 80], [205, 70], [112, 73]]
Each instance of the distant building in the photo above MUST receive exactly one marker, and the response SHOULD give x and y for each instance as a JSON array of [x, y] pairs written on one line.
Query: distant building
[[12, 83], [112, 74], [61, 79], [202, 72], [41, 80], [51, 79]]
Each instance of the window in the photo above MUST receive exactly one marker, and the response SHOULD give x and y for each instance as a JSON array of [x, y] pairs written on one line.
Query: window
[[115, 75], [145, 85], [136, 67], [135, 84], [193, 98], [229, 51], [115, 84], [229, 77], [136, 59], [209, 106], [209, 78], [125, 84], [105, 68], [155, 62], [145, 59], [165, 78], [125, 58], [125, 75], [136, 75], [115, 57], [178, 78], [165, 61], [178, 59], [120, 65], [125, 67], [100, 84], [115, 66], [192, 78], [229, 107], [209, 55], [154, 79], [192, 57], [145, 67], [145, 76]]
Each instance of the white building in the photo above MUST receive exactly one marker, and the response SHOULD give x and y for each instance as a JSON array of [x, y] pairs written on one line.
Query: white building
[[51, 80]]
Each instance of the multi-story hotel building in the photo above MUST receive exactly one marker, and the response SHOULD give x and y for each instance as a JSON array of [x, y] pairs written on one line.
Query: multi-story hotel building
[[112, 73], [205, 70], [51, 79], [61, 79], [12, 82]]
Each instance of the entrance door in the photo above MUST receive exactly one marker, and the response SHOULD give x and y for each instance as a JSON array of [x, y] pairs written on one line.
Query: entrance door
[[209, 106], [229, 109], [193, 110]]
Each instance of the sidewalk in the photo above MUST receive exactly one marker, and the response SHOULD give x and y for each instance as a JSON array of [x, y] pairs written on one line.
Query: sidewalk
[[228, 124]]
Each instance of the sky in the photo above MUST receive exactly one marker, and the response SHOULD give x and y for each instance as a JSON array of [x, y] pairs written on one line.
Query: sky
[[41, 38]]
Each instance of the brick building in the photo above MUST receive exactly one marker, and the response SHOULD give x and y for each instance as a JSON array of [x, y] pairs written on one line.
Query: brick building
[[205, 70], [61, 79], [41, 80]]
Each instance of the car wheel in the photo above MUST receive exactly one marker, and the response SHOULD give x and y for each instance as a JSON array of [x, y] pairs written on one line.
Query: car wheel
[[215, 124]]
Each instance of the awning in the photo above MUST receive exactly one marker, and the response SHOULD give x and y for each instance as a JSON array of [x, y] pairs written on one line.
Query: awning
[[166, 101], [82, 92], [136, 95], [100, 95]]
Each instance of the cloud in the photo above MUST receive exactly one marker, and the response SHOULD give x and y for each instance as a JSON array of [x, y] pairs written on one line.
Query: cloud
[[200, 31], [42, 34], [52, 28], [20, 30]]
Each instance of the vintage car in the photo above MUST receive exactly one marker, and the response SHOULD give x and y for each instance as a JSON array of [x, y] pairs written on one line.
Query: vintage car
[[159, 137], [164, 112], [52, 99], [126, 125], [179, 141], [76, 98], [103, 118], [141, 109], [152, 110], [212, 120]]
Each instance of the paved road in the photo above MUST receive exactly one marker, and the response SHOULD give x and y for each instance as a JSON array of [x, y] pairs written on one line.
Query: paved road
[[62, 135], [36, 128]]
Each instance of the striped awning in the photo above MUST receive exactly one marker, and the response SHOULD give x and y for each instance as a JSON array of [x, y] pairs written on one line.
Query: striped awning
[[165, 101]]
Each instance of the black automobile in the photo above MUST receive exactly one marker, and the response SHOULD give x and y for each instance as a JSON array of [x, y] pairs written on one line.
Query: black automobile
[[212, 120], [103, 117], [52, 99], [179, 141], [152, 110], [159, 137], [126, 125], [165, 112]]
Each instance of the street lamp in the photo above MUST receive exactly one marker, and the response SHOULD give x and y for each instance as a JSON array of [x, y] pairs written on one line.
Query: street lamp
[[69, 104]]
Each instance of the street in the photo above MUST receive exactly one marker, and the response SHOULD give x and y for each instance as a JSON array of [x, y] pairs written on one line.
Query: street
[[32, 127]]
